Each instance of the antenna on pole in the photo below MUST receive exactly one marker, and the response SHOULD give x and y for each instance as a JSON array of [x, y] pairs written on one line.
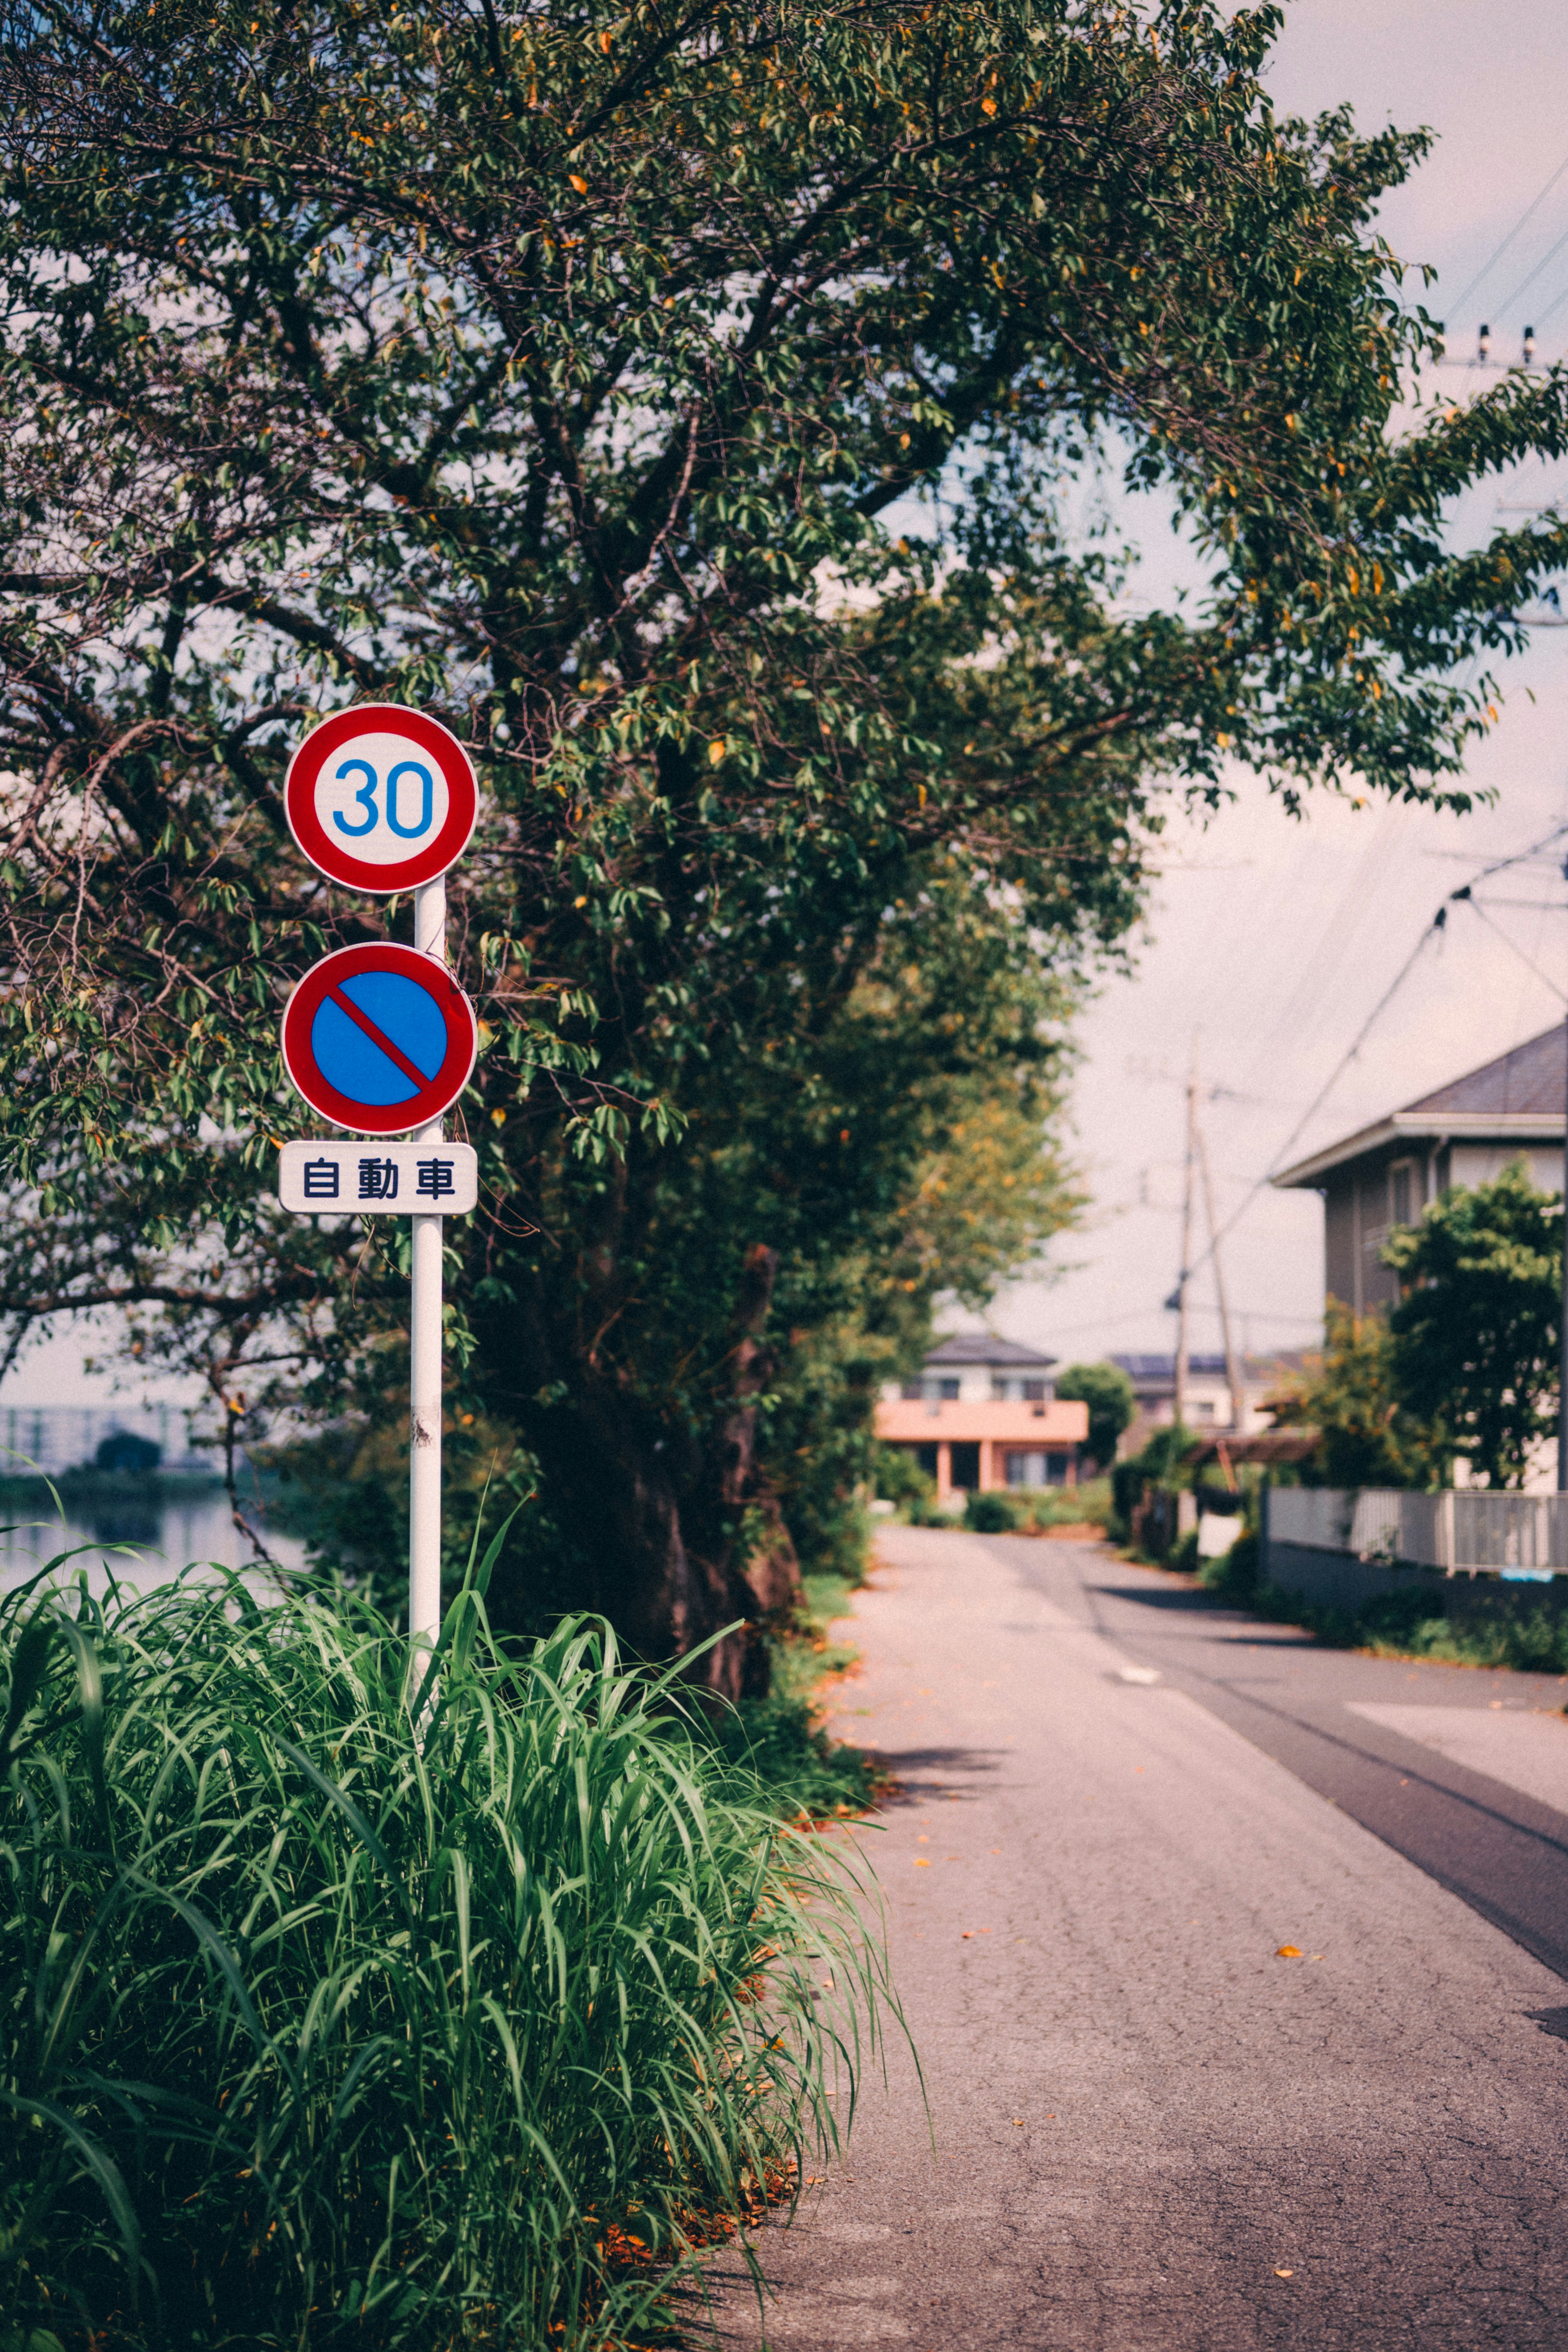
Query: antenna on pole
[[1562, 1359]]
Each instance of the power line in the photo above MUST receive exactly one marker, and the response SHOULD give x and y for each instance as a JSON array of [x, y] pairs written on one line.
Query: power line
[[1530, 965], [1526, 215], [1552, 311], [1503, 307], [1438, 924]]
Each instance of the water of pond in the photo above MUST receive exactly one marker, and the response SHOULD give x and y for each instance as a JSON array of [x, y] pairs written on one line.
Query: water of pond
[[143, 1538]]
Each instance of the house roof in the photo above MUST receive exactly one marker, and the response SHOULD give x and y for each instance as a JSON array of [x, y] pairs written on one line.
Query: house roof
[[1520, 1098], [979, 1348], [1159, 1371], [1149, 1372]]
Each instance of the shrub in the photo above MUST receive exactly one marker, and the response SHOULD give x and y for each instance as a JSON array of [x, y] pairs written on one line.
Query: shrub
[[1108, 1393], [991, 1513], [900, 1480], [337, 2011], [1234, 1571]]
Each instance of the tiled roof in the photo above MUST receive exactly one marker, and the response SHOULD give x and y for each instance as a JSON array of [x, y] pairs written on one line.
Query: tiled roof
[[979, 1348], [1533, 1078], [1163, 1368]]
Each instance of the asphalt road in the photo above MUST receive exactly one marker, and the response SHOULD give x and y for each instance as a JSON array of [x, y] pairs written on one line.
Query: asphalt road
[[1142, 2129]]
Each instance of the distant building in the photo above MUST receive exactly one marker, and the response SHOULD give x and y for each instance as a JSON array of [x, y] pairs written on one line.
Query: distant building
[[1207, 1404], [983, 1414], [1464, 1133], [57, 1437]]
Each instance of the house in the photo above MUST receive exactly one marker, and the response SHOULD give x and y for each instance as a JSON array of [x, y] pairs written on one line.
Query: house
[[1463, 1133], [1206, 1402], [983, 1414]]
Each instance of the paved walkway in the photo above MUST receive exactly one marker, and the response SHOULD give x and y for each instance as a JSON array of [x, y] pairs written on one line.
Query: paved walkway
[[1147, 2131]]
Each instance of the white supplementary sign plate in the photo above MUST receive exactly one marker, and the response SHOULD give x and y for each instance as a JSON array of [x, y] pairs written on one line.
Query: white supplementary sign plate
[[379, 1179]]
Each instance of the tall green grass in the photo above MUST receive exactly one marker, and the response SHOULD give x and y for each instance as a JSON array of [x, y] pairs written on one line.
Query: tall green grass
[[334, 2011]]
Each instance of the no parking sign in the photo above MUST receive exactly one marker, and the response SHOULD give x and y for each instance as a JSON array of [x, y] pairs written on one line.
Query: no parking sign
[[379, 1038]]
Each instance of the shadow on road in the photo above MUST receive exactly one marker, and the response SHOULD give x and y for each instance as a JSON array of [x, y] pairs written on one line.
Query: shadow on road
[[922, 1772]]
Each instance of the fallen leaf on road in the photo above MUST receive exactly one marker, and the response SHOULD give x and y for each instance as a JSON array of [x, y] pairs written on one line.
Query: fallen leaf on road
[[1017, 2123], [921, 1862], [1289, 1952], [1280, 2273]]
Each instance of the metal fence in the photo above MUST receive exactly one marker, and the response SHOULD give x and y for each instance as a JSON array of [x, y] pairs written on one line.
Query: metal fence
[[1461, 1533], [56, 1437]]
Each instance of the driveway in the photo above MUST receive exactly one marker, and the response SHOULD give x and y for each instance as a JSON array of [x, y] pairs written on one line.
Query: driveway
[[1145, 2126]]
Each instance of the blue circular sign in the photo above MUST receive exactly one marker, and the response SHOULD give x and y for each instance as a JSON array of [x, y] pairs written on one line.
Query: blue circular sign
[[379, 1039]]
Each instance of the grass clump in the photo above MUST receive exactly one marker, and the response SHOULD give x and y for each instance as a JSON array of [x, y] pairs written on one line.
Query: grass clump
[[1479, 1624], [1470, 1622], [338, 2011], [800, 1768]]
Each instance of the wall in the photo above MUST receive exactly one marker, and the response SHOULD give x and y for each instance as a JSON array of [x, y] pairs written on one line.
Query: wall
[[1334, 1580]]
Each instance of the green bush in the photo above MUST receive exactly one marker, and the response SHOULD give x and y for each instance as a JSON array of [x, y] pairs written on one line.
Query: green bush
[[991, 1513], [900, 1480], [1183, 1556], [1058, 1506], [796, 1762], [1233, 1571], [336, 2011]]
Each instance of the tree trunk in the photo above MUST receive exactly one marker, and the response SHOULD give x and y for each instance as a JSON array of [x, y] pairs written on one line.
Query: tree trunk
[[676, 1542]]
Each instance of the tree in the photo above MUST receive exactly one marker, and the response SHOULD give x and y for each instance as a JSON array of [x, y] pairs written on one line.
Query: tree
[[1475, 1335], [579, 375], [1353, 1396], [1106, 1389]]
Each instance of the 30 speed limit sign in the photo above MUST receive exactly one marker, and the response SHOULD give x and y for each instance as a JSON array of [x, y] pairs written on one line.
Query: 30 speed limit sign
[[381, 798]]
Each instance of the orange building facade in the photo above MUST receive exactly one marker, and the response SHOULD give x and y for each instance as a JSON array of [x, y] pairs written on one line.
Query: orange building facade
[[989, 1441]]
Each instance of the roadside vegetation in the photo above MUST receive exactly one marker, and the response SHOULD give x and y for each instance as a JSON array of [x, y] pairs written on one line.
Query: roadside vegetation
[[1470, 1621], [338, 2012]]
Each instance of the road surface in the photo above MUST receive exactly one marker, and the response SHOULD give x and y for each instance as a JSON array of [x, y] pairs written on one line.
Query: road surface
[[1145, 2129]]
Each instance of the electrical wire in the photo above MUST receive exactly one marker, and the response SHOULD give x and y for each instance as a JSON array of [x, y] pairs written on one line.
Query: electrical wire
[[1503, 307], [1528, 212], [1560, 993], [1434, 927]]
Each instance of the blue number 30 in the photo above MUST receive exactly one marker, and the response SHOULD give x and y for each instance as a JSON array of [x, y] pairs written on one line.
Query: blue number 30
[[365, 798]]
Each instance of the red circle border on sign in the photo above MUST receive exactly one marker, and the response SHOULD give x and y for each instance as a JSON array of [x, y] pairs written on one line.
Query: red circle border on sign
[[380, 1119], [328, 856]]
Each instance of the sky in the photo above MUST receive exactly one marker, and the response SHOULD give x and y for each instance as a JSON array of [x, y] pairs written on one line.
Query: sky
[[1268, 942]]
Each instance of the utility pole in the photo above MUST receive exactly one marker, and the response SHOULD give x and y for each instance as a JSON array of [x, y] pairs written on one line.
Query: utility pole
[[1232, 1366], [1563, 1356], [1179, 1402], [424, 1338]]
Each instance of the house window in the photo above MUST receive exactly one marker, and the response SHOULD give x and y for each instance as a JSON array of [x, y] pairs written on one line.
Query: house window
[[1008, 1389], [912, 1392], [1034, 1392], [948, 1391], [1040, 1467], [1401, 1191]]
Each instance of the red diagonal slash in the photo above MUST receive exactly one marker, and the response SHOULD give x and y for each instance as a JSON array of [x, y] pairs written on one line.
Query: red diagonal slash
[[394, 1053]]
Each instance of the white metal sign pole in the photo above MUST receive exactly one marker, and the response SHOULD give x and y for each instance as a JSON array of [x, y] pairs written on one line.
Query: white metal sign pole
[[424, 1351]]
